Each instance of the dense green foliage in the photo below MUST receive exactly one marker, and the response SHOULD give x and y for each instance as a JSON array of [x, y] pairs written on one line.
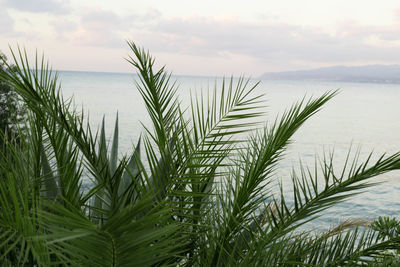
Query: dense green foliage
[[196, 191], [10, 109]]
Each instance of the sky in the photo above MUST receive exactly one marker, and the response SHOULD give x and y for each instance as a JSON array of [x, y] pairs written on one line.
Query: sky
[[205, 37]]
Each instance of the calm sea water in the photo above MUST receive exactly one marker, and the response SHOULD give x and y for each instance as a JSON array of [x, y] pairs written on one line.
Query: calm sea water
[[363, 115]]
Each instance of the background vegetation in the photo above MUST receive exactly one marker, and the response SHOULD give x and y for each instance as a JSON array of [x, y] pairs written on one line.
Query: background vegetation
[[11, 110], [196, 191]]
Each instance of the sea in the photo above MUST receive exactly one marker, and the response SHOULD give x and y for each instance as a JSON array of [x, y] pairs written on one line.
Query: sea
[[363, 118]]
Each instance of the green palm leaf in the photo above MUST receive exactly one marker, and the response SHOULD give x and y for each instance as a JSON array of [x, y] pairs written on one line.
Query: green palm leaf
[[201, 195]]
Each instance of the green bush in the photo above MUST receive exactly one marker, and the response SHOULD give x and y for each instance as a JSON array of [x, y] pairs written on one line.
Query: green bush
[[10, 108], [200, 196]]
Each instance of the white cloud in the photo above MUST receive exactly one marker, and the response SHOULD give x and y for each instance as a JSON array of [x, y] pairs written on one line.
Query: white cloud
[[96, 27], [39, 6], [269, 45], [273, 42]]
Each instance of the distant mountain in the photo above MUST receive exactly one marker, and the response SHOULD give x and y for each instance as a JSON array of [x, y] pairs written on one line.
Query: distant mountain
[[369, 73]]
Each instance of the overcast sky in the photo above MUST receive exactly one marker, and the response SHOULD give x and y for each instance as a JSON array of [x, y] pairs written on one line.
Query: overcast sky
[[205, 37]]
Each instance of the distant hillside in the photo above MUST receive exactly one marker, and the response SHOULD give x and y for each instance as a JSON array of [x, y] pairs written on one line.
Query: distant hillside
[[370, 73]]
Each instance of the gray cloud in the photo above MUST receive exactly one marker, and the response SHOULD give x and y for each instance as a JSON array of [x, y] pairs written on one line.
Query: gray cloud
[[6, 22], [39, 6], [276, 42], [104, 28], [63, 28], [271, 44], [95, 28]]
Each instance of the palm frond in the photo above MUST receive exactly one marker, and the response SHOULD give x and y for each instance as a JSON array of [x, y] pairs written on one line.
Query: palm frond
[[201, 194], [255, 167], [126, 236], [310, 199], [19, 201]]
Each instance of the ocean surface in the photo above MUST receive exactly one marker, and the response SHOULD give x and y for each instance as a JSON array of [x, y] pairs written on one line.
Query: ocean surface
[[362, 116]]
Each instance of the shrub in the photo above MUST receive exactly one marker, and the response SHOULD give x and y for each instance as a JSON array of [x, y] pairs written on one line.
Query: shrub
[[11, 111]]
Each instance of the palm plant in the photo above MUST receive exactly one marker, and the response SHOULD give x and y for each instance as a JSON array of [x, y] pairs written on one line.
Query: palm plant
[[201, 196]]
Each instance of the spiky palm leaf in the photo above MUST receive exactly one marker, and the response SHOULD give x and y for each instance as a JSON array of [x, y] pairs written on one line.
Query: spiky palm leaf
[[202, 196], [66, 149]]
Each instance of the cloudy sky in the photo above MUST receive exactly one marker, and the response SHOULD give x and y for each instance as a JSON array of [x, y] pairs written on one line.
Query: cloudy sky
[[205, 37]]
